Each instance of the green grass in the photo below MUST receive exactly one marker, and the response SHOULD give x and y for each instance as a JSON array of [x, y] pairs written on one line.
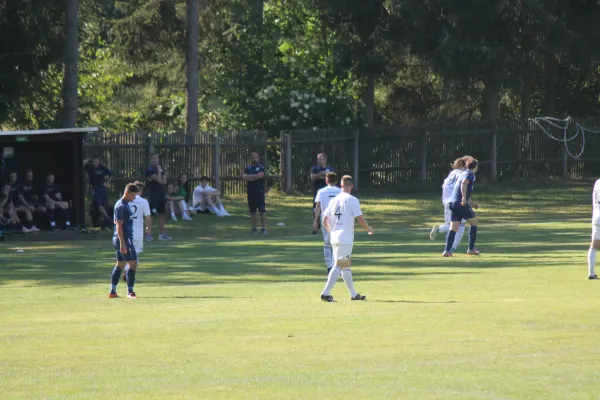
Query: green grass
[[225, 315]]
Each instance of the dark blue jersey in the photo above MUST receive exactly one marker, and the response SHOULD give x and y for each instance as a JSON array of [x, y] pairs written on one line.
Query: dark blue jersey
[[15, 191], [457, 194], [123, 213], [97, 175], [319, 184], [51, 190], [256, 187], [153, 186], [29, 192]]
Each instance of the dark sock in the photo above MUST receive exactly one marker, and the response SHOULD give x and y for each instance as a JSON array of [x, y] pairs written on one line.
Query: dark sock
[[52, 215], [130, 280], [116, 275], [29, 224], [472, 237], [67, 214], [450, 240]]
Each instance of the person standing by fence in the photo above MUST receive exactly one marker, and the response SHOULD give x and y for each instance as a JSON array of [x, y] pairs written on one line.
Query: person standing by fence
[[98, 178], [318, 173], [157, 179], [254, 175]]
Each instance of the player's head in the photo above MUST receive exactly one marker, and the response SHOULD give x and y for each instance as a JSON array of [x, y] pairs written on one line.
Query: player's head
[[347, 183], [467, 158], [183, 179], [176, 187], [473, 165], [12, 177], [29, 175], [140, 186], [204, 181], [50, 178], [331, 178], [154, 159], [254, 158], [322, 159], [95, 160], [459, 163], [131, 191]]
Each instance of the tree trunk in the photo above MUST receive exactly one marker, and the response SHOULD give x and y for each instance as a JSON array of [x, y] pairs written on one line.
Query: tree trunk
[[489, 107], [550, 78], [70, 81], [527, 90], [191, 61]]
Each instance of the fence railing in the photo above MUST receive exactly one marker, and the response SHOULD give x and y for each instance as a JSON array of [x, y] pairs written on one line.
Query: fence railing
[[378, 158]]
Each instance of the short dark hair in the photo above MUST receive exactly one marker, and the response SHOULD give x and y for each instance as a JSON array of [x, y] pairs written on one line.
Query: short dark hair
[[131, 188], [49, 174], [472, 163], [331, 177], [139, 184], [204, 178]]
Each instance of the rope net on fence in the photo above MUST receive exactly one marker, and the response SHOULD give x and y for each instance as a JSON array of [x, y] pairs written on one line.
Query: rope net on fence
[[564, 125]]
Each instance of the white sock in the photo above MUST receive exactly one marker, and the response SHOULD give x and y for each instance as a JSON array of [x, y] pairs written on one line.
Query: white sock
[[328, 257], [459, 235], [591, 261], [444, 228], [222, 208], [347, 275], [334, 275]]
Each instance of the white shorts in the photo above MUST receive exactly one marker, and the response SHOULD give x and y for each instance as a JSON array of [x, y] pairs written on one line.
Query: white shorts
[[595, 231], [341, 251], [139, 245]]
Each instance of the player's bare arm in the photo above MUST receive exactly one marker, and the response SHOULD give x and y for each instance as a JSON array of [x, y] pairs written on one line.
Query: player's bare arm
[[363, 223], [326, 223], [149, 225], [123, 248], [464, 186], [317, 215]]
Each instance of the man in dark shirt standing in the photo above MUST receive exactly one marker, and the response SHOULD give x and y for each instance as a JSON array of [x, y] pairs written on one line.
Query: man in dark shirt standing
[[98, 176], [254, 175], [317, 176], [54, 201], [157, 179]]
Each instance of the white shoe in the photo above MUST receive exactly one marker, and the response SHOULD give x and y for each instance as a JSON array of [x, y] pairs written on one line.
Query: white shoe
[[25, 230], [174, 218], [433, 232], [186, 217], [220, 213], [34, 229], [225, 213]]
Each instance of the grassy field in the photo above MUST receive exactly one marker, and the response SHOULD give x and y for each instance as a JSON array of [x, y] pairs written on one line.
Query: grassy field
[[223, 315]]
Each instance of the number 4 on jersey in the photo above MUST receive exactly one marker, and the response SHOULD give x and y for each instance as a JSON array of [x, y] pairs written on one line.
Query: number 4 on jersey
[[338, 212]]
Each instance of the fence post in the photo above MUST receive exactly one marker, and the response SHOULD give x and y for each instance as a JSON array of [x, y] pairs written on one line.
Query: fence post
[[266, 164], [216, 167], [565, 159], [287, 138], [282, 161], [423, 158], [356, 158], [149, 148], [494, 155]]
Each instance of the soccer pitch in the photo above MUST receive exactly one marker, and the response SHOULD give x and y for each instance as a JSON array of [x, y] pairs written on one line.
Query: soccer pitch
[[223, 315]]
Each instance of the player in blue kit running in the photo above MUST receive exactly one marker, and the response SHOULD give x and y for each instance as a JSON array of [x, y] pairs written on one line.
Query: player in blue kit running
[[123, 242], [462, 208]]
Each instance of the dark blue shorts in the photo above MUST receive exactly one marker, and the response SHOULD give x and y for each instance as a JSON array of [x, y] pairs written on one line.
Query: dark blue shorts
[[460, 212], [131, 253], [100, 196], [256, 202]]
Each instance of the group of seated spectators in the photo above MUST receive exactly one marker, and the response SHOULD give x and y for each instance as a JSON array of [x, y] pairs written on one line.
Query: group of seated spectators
[[25, 204]]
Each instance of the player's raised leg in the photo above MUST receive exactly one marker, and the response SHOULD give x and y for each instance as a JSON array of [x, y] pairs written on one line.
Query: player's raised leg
[[472, 251]]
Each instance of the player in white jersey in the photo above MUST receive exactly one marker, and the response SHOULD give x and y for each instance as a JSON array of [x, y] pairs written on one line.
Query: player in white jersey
[[140, 209], [338, 219], [322, 200], [595, 231], [458, 167]]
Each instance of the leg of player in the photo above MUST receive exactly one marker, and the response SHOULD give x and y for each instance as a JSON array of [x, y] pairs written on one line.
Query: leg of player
[[442, 228], [253, 221], [450, 238], [117, 270], [51, 207], [592, 256], [472, 237], [64, 209], [459, 235], [28, 216], [263, 223], [327, 252]]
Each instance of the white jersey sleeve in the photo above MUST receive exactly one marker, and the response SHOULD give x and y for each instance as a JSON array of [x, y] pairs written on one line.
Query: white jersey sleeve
[[448, 186], [319, 197], [146, 208], [138, 206], [596, 203], [356, 211]]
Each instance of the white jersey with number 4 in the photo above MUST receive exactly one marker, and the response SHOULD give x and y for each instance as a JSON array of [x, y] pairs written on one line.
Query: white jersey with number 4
[[342, 211], [596, 203], [325, 195], [140, 209]]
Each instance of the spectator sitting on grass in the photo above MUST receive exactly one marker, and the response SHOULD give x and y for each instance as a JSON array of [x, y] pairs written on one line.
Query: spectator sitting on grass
[[184, 190], [176, 202], [205, 197]]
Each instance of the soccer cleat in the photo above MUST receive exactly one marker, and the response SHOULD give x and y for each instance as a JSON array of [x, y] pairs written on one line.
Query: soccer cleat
[[164, 237], [446, 254], [358, 297], [112, 295], [473, 252], [149, 238], [453, 250], [327, 298], [433, 232], [131, 295], [254, 231], [593, 277], [263, 231]]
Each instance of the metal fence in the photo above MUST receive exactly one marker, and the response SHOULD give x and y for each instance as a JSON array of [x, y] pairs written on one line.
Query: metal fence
[[379, 158]]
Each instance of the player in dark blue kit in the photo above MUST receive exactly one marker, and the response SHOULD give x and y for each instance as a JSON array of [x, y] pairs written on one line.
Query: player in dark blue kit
[[318, 173], [156, 178], [54, 202], [254, 175], [99, 176], [462, 208], [123, 242]]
